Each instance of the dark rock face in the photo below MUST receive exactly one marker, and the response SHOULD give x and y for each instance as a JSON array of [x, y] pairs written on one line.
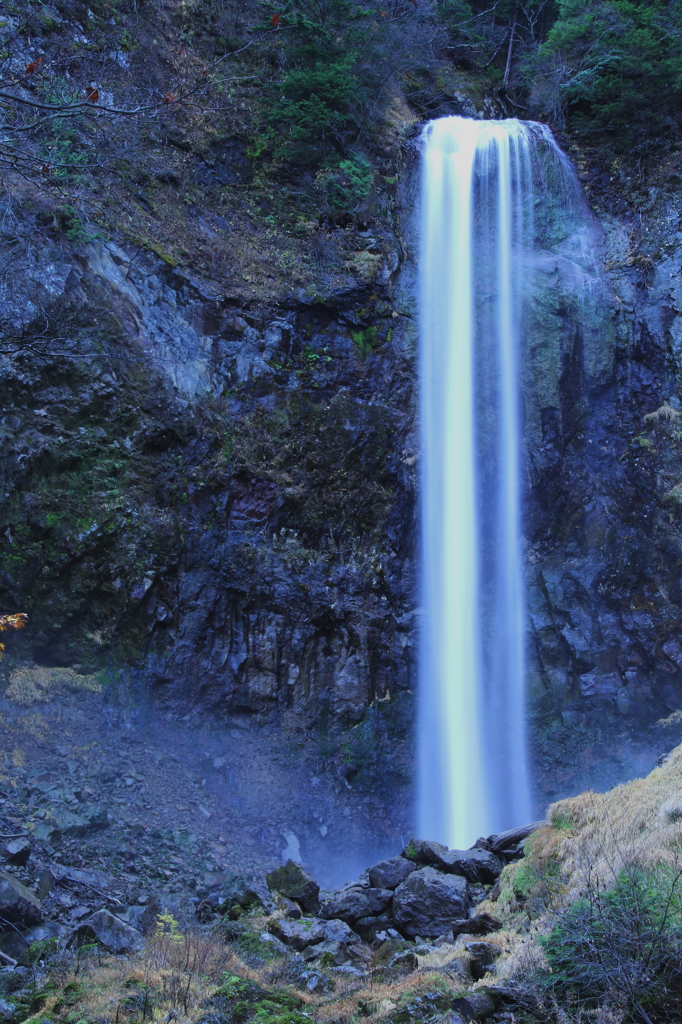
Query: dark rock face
[[428, 902], [245, 537], [388, 874], [602, 521], [243, 542], [295, 883]]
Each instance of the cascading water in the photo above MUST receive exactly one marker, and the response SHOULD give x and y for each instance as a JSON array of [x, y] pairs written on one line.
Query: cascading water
[[479, 186]]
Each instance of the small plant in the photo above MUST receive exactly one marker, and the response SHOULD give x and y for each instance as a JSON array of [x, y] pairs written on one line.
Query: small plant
[[364, 340], [348, 184]]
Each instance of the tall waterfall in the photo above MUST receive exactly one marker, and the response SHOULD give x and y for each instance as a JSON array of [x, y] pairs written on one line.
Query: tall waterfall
[[477, 231]]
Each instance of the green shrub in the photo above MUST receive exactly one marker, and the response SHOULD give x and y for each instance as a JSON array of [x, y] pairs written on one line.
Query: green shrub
[[348, 184], [625, 942], [337, 58], [614, 67]]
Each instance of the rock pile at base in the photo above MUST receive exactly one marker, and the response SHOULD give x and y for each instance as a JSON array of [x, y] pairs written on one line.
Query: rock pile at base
[[428, 892]]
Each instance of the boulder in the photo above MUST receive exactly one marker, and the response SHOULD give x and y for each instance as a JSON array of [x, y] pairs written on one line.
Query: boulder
[[350, 904], [17, 903], [405, 960], [338, 951], [13, 978], [243, 891], [7, 1010], [273, 942], [369, 928], [338, 931], [112, 933], [289, 908], [481, 924], [388, 874], [78, 826], [16, 851], [294, 882], [428, 902], [475, 865], [422, 851], [482, 957], [475, 1005], [299, 934]]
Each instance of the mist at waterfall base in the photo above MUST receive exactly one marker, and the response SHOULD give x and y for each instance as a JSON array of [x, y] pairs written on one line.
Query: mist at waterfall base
[[481, 182]]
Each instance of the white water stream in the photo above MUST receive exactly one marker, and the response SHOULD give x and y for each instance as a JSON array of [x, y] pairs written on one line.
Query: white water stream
[[477, 203]]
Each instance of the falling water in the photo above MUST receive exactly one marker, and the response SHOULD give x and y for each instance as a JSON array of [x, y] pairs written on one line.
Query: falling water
[[477, 231]]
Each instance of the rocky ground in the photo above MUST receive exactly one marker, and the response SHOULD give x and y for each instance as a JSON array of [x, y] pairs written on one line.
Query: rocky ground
[[162, 807], [80, 878]]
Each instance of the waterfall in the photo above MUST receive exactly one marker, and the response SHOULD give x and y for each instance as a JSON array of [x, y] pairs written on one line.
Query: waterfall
[[477, 233]]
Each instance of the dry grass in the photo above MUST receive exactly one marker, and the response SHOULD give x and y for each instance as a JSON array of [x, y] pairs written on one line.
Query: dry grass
[[639, 822], [29, 686], [176, 972], [666, 412]]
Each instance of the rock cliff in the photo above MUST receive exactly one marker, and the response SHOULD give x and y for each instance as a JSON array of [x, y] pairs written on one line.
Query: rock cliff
[[210, 455]]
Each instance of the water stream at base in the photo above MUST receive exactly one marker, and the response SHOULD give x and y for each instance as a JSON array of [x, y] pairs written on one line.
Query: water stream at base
[[479, 189]]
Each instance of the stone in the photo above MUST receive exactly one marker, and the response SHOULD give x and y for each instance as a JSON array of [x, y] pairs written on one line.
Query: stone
[[245, 892], [299, 935], [17, 903], [421, 851], [405, 960], [481, 924], [7, 1010], [474, 865], [388, 874], [474, 1005], [46, 883], [428, 902], [351, 904], [369, 928], [12, 978], [78, 826], [336, 950], [338, 931], [110, 931], [273, 942], [16, 851], [78, 913], [289, 908], [482, 957], [294, 882]]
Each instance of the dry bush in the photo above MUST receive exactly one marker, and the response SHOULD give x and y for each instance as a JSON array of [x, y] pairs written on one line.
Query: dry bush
[[35, 685], [177, 971], [665, 413]]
